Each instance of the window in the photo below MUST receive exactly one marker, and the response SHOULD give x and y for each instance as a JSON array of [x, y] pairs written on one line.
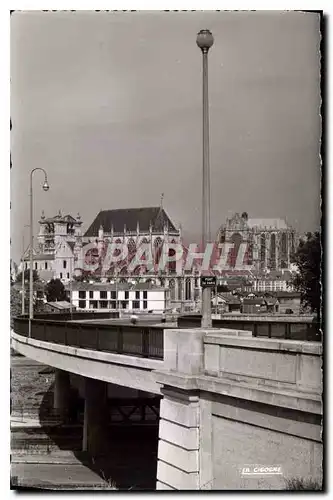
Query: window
[[65, 264], [103, 294], [113, 304], [45, 265], [61, 276], [68, 276], [82, 294], [36, 265], [91, 295], [136, 304], [137, 295], [126, 295], [113, 295], [26, 265], [82, 304], [145, 294], [124, 304], [103, 304], [145, 304], [93, 304]]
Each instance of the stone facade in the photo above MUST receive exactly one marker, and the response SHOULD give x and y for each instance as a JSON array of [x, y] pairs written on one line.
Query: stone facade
[[270, 242]]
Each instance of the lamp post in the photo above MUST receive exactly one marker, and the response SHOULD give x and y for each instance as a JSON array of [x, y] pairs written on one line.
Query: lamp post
[[23, 272], [23, 288], [71, 285], [46, 188], [204, 41]]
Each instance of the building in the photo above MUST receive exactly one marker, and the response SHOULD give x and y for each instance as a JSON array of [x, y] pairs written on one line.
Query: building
[[126, 296], [270, 243], [62, 250], [60, 306], [59, 242], [271, 281], [289, 301]]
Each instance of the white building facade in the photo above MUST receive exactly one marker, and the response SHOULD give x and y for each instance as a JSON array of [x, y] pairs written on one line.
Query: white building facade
[[107, 297]]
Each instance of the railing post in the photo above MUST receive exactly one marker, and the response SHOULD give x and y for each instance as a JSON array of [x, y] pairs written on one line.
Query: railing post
[[66, 343], [120, 340], [287, 331], [97, 339], [145, 342]]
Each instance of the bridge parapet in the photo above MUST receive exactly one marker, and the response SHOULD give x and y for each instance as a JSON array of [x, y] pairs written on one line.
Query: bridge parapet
[[231, 400]]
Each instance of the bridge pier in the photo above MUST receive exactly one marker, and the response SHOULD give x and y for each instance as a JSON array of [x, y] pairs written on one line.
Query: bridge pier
[[95, 417], [62, 392]]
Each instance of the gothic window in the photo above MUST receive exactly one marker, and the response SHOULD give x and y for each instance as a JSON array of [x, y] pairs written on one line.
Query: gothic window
[[284, 250], [273, 252], [188, 289], [131, 247], [262, 250], [172, 289], [180, 289], [172, 253], [236, 239], [249, 251], [292, 243], [158, 243]]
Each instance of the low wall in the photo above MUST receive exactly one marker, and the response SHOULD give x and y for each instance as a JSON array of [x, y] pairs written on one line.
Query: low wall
[[236, 408], [272, 326]]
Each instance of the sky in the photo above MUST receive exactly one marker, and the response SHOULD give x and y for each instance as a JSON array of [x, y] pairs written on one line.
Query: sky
[[110, 104]]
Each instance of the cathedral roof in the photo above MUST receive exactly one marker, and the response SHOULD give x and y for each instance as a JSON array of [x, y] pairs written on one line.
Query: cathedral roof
[[268, 223], [60, 218], [130, 217]]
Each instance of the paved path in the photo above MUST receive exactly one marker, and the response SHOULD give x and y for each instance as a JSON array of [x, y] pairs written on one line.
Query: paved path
[[55, 475]]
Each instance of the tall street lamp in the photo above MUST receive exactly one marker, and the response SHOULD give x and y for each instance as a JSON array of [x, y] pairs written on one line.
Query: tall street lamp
[[204, 41], [23, 272], [46, 188]]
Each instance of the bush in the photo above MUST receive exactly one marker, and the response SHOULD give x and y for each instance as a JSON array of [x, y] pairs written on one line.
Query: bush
[[301, 484]]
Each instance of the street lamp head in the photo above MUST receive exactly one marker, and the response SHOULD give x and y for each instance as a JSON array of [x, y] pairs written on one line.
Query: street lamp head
[[46, 186], [205, 40]]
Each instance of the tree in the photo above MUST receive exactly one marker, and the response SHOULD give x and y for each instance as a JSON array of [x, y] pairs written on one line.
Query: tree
[[15, 303], [307, 279], [35, 276], [55, 291]]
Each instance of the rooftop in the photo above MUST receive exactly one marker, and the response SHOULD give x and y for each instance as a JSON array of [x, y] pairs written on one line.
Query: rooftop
[[61, 304], [131, 217], [268, 223]]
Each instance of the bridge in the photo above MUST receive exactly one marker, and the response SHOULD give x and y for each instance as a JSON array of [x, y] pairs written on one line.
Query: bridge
[[228, 401]]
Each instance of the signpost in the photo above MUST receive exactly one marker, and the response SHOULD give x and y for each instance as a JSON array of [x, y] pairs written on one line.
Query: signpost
[[208, 281]]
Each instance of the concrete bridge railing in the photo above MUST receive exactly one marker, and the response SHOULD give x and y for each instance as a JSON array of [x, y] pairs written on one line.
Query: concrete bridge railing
[[233, 404]]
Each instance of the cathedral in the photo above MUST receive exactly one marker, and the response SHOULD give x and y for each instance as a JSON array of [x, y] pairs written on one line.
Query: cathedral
[[61, 253], [270, 243]]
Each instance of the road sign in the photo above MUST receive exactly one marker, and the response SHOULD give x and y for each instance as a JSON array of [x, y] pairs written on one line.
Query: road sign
[[208, 281]]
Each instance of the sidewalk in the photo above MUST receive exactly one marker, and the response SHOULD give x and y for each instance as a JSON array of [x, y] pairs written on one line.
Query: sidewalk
[[64, 476]]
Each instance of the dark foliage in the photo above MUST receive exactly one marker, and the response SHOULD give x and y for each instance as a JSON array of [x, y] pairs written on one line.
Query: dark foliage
[[307, 280], [55, 291], [35, 276]]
